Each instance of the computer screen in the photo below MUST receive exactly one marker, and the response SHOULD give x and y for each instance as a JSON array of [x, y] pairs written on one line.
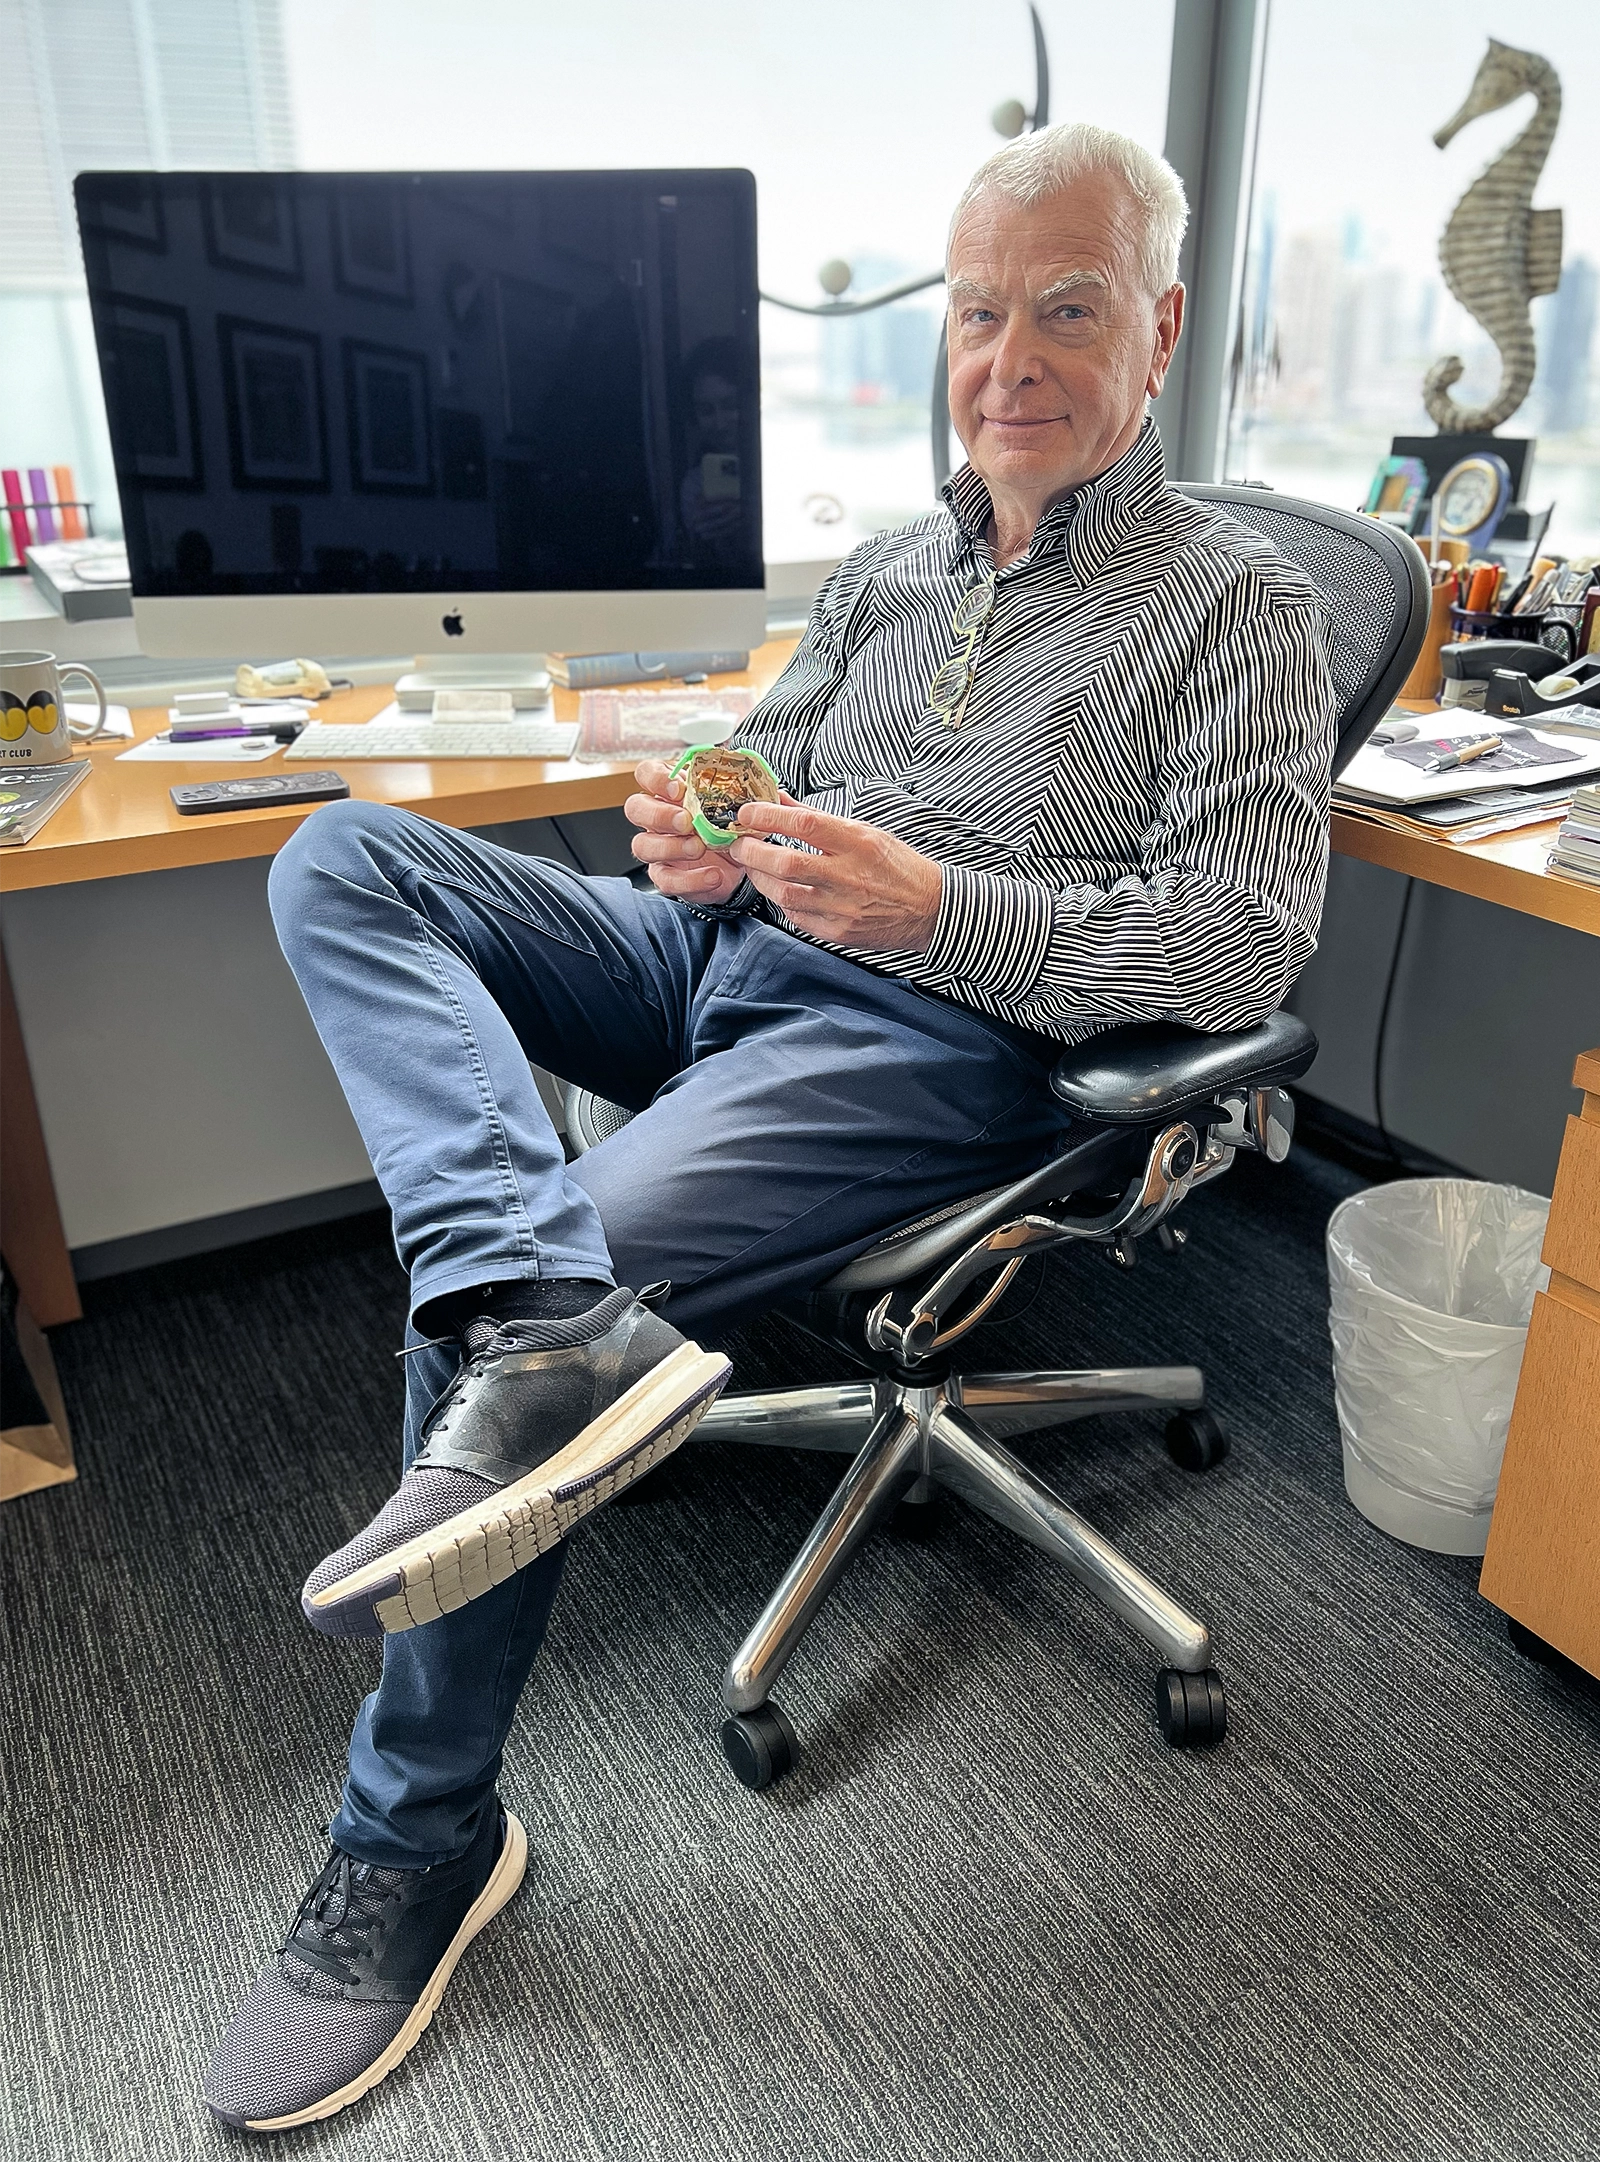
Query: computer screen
[[430, 385]]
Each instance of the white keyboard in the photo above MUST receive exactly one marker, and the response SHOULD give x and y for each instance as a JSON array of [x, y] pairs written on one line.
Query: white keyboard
[[328, 742]]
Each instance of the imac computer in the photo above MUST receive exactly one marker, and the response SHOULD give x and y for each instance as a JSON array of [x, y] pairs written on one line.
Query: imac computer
[[457, 414]]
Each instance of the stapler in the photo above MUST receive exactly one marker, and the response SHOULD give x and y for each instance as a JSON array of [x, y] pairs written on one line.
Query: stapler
[[1468, 663]]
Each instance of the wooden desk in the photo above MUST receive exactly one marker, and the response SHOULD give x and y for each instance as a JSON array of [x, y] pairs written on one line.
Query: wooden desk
[[1542, 1566], [121, 821], [1507, 869]]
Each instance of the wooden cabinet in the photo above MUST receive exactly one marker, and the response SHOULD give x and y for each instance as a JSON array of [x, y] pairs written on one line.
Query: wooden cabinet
[[1542, 1565]]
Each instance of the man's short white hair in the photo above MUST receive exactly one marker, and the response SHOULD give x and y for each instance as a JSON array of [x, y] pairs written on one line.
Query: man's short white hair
[[1035, 167]]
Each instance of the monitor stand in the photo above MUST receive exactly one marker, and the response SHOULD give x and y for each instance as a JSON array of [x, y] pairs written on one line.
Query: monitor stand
[[523, 675]]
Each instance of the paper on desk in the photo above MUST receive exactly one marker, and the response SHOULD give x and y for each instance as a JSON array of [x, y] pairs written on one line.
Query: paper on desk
[[118, 721], [221, 751]]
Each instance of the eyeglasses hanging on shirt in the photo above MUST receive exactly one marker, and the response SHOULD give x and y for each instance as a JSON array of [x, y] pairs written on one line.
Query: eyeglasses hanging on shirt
[[952, 685]]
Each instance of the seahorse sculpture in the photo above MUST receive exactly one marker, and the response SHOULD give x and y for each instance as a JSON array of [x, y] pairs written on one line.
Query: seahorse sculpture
[[1497, 252]]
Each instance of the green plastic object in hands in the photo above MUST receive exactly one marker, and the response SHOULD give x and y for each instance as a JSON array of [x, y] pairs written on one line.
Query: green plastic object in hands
[[716, 781]]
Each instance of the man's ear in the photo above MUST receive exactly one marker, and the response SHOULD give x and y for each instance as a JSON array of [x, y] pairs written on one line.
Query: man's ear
[[1169, 328]]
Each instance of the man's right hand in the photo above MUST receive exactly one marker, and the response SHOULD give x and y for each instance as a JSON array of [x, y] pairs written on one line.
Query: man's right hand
[[680, 863]]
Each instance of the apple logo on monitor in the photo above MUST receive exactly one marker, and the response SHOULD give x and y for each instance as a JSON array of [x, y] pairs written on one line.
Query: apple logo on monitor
[[452, 624]]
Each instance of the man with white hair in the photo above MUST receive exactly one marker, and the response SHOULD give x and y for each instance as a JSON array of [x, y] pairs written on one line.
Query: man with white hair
[[1055, 757]]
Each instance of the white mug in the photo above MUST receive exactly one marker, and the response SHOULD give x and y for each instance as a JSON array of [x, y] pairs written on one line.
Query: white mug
[[34, 728]]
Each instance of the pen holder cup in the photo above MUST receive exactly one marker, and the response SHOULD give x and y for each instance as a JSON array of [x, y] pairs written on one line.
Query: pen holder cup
[[1426, 674], [1552, 631]]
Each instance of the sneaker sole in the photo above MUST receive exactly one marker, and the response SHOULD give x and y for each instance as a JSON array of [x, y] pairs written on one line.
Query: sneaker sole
[[504, 1878], [442, 1570]]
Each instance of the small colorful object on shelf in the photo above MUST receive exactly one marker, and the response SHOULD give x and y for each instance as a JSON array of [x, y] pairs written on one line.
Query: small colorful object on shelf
[[47, 510]]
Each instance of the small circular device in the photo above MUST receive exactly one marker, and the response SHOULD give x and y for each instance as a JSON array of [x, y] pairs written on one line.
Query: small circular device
[[1472, 498], [716, 781]]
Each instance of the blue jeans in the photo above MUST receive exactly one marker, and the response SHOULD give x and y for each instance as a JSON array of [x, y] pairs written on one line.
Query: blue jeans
[[794, 1106]]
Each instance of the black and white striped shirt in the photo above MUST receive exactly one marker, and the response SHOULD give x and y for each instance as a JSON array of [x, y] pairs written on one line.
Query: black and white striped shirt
[[1133, 817]]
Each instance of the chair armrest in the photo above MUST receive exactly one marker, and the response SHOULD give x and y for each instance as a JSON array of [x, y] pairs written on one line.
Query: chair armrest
[[1156, 1069]]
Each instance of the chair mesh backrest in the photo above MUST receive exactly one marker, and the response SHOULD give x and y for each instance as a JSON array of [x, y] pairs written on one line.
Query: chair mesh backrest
[[1376, 586]]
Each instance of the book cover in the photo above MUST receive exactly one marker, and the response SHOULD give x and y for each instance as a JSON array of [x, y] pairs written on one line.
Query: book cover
[[29, 795]]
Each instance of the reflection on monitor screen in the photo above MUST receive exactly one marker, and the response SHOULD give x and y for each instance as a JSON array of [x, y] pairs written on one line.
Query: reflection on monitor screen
[[430, 383]]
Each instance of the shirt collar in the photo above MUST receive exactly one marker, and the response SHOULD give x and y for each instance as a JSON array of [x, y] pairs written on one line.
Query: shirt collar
[[1088, 525]]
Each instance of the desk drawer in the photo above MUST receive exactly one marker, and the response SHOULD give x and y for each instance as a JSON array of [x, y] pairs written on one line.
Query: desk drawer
[[1543, 1558], [1572, 1243]]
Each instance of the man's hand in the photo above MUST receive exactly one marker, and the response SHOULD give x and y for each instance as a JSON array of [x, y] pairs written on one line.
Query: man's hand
[[864, 888], [680, 863]]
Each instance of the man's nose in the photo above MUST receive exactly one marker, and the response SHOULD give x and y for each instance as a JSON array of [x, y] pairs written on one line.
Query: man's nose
[[1016, 361]]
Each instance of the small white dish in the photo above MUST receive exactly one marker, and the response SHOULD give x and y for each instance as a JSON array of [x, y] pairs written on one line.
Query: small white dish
[[710, 726]]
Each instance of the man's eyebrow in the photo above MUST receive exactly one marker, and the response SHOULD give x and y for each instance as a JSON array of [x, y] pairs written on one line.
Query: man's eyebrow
[[1075, 281]]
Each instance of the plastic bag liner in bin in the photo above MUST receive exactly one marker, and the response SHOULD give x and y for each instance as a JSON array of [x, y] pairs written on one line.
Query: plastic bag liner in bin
[[1432, 1284]]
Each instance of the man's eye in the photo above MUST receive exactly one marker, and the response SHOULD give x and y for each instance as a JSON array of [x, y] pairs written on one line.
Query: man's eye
[[1072, 312], [981, 315]]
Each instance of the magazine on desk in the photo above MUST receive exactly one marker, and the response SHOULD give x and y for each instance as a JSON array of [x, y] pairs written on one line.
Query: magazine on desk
[[29, 794]]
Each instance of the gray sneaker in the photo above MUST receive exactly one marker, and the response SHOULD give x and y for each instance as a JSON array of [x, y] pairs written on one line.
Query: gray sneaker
[[357, 1980], [545, 1421]]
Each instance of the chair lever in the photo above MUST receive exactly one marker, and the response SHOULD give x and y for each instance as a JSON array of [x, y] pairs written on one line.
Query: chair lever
[[912, 1326], [1259, 1119]]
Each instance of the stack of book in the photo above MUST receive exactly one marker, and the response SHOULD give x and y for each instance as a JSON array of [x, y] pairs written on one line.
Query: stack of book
[[1577, 850]]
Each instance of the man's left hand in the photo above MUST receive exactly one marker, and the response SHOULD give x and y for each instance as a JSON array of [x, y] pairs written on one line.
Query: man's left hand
[[862, 887]]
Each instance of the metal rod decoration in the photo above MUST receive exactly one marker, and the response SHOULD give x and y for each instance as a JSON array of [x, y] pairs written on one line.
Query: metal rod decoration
[[880, 299]]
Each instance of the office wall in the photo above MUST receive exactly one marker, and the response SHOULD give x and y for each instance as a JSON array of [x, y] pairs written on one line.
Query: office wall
[[1489, 1010], [178, 1074]]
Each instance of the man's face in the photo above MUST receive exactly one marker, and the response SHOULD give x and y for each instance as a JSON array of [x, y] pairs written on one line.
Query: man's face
[[716, 411], [1054, 341]]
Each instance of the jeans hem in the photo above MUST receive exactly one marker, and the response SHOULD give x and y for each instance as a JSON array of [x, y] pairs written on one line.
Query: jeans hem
[[545, 1269]]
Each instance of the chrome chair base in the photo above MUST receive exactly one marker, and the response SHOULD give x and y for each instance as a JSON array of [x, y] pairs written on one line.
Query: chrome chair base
[[906, 1441]]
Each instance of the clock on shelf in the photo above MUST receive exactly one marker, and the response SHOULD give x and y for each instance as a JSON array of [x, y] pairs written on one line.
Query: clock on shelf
[[1471, 500]]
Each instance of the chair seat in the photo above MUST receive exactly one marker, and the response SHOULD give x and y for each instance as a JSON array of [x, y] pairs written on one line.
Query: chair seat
[[1157, 1069]]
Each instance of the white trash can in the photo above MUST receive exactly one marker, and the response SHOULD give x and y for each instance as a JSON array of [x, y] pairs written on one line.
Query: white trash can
[[1432, 1284]]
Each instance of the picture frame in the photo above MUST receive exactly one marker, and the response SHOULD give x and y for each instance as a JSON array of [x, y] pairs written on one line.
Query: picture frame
[[1397, 491], [277, 421], [251, 225], [126, 208], [150, 377], [388, 419], [371, 244]]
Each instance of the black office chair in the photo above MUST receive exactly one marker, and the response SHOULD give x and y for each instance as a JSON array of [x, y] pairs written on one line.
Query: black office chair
[[1158, 1110]]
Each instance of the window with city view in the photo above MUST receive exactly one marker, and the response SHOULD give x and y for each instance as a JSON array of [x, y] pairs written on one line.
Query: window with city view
[[861, 120], [1344, 307]]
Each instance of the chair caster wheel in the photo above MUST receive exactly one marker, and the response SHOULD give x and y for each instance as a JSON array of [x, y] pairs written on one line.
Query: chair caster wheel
[[760, 1746], [1196, 1440], [1191, 1708]]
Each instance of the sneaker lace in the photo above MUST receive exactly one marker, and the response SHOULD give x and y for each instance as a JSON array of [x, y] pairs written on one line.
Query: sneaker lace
[[342, 1908]]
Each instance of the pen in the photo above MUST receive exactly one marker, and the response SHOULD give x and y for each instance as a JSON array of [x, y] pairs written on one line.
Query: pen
[[1462, 754], [284, 731]]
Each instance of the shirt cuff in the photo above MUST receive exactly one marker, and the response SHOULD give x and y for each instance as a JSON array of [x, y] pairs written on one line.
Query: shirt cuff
[[992, 933], [740, 902]]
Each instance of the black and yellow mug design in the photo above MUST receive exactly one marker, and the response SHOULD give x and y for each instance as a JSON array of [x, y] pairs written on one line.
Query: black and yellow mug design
[[34, 725]]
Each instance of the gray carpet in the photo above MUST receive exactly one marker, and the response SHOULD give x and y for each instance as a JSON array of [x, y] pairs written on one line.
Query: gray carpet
[[991, 1916]]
